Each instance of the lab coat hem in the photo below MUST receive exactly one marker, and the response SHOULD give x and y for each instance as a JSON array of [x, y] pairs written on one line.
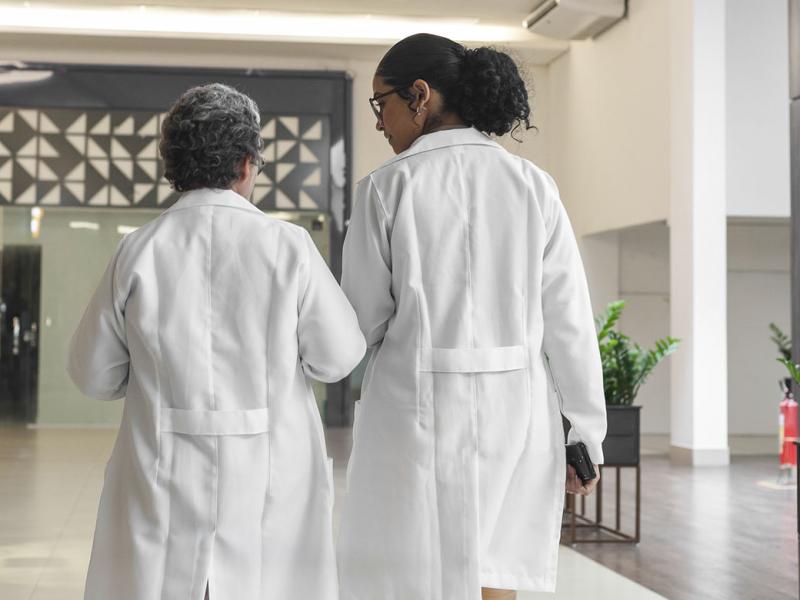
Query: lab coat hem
[[516, 581]]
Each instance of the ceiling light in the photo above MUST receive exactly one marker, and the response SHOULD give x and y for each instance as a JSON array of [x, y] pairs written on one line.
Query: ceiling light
[[159, 21], [84, 225]]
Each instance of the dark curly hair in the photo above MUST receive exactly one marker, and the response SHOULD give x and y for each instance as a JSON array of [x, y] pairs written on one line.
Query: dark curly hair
[[206, 135], [482, 85]]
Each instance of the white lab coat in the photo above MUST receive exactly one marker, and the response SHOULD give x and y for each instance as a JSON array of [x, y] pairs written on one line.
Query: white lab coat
[[210, 321], [465, 275]]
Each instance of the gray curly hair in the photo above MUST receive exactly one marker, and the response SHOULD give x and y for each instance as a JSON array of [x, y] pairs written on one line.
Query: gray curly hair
[[206, 135]]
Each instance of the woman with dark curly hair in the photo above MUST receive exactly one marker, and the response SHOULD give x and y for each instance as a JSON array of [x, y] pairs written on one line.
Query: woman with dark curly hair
[[210, 321], [465, 275]]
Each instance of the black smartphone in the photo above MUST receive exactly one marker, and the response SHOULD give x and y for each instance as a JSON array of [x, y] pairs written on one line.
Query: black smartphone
[[578, 457]]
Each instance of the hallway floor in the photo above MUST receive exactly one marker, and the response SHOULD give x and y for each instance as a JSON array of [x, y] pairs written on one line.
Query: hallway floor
[[50, 482]]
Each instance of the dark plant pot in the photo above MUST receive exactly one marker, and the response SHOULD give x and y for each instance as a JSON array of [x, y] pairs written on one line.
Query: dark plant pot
[[621, 446]]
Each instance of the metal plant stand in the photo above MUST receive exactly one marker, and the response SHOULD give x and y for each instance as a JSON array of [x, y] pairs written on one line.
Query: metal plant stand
[[576, 520]]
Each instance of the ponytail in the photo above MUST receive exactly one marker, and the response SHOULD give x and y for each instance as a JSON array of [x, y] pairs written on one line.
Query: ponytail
[[482, 86]]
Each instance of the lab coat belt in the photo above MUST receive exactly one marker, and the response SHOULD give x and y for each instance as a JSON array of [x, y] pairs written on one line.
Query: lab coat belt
[[214, 422], [472, 360]]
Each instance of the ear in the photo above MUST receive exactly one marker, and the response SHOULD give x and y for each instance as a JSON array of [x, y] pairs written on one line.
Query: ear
[[246, 166], [422, 91]]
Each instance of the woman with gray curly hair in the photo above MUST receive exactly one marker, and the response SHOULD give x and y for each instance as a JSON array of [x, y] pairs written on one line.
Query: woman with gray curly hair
[[209, 321]]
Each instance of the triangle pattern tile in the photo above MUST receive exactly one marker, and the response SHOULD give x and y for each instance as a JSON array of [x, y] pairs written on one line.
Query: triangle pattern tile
[[78, 126], [282, 170], [125, 167], [306, 201], [29, 165], [27, 196], [314, 179], [19, 136], [133, 144], [29, 117], [102, 127], [51, 196], [28, 149], [95, 150], [282, 132], [314, 132], [146, 170], [102, 167], [77, 190], [94, 180], [21, 179], [117, 197], [283, 147], [140, 190], [46, 149], [5, 191], [282, 201], [149, 151], [268, 130], [7, 123], [292, 124], [261, 193], [307, 155], [78, 142], [164, 192], [78, 173], [118, 150], [99, 198], [149, 128], [45, 173], [46, 125], [125, 127]]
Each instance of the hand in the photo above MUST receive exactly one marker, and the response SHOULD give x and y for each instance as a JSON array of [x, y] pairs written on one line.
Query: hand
[[574, 485]]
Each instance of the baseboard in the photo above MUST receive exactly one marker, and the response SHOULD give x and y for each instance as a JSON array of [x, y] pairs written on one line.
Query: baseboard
[[699, 457], [738, 445]]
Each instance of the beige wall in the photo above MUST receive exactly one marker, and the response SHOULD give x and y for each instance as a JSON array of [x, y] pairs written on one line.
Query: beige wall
[[609, 123]]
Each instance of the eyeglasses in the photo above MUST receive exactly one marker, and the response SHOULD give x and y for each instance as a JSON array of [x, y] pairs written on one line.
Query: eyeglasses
[[260, 163], [377, 108]]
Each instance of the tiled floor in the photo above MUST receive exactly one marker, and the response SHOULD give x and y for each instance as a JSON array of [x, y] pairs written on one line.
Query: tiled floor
[[50, 483]]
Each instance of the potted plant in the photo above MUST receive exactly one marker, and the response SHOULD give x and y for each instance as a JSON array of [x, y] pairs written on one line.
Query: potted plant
[[626, 366]]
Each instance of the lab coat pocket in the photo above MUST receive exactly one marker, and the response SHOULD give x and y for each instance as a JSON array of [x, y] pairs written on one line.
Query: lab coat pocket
[[189, 435], [500, 382]]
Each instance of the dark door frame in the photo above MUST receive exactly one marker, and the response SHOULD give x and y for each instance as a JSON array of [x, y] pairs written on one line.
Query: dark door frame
[[155, 88], [794, 93]]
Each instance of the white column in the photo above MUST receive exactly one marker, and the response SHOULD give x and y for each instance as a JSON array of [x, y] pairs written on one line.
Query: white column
[[698, 262]]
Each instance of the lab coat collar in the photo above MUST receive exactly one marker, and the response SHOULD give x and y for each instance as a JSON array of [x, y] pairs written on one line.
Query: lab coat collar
[[213, 197], [444, 139]]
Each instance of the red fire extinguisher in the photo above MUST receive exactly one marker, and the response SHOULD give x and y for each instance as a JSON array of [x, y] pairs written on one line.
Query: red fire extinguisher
[[787, 420]]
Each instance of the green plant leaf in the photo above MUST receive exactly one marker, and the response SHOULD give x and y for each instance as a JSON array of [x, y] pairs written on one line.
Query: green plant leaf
[[782, 341], [793, 368], [626, 365]]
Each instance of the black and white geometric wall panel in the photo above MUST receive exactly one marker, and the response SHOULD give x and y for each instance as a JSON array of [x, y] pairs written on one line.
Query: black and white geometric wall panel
[[72, 157]]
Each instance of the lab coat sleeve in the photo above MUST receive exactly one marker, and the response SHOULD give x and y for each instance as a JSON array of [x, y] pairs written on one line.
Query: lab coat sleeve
[[98, 359], [570, 338], [367, 266], [330, 342]]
